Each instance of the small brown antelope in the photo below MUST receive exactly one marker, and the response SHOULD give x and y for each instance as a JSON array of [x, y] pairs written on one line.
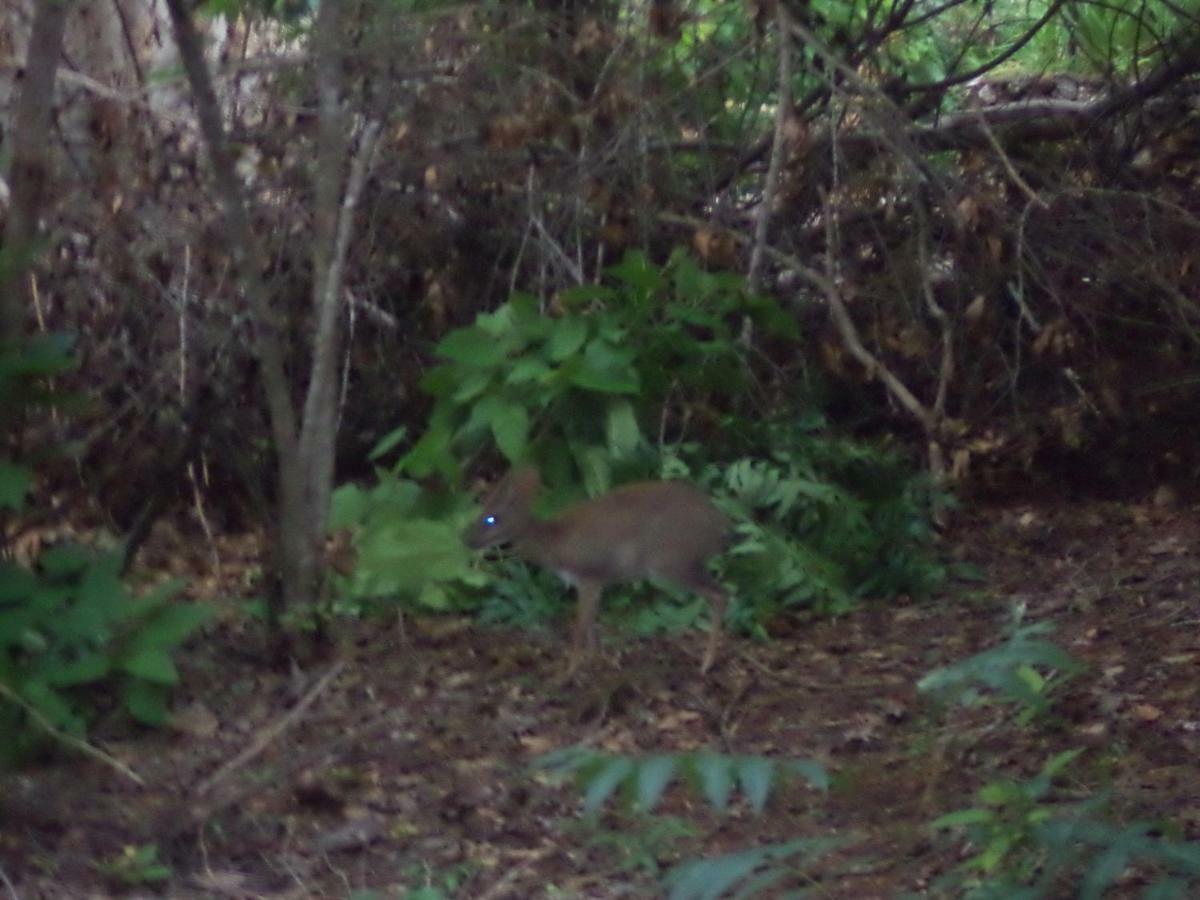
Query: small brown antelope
[[659, 530]]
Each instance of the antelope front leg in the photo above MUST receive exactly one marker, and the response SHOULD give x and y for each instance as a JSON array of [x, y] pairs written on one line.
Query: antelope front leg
[[583, 638], [717, 601]]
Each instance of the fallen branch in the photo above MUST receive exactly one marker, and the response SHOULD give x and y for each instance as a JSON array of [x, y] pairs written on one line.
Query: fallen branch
[[69, 740], [268, 735]]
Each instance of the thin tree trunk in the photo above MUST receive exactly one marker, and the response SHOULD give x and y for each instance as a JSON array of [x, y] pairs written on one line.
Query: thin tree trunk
[[305, 449], [30, 170]]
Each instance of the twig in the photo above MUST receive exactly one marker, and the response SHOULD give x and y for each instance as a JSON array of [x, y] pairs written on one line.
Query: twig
[[1005, 161], [771, 184], [205, 525], [268, 735], [69, 739], [178, 821], [12, 891]]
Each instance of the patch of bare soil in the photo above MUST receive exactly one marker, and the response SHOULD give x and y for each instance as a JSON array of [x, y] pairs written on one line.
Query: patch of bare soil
[[408, 761]]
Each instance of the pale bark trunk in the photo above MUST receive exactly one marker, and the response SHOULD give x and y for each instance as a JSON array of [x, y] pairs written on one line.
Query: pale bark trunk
[[30, 169], [305, 449]]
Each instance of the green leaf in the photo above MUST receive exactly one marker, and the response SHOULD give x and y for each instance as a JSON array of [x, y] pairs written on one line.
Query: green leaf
[[92, 666], [388, 442], [52, 705], [473, 383], [151, 663], [399, 557], [348, 506], [754, 775], [146, 701], [716, 778], [636, 270], [15, 481], [611, 775], [963, 817], [64, 561], [527, 369], [510, 428], [653, 777], [173, 624], [566, 339], [606, 369], [16, 584], [472, 346], [622, 429]]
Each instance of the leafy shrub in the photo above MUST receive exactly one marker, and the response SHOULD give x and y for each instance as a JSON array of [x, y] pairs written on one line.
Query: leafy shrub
[[69, 624], [1025, 671], [822, 521], [25, 370], [1028, 845], [642, 781], [407, 546], [583, 385]]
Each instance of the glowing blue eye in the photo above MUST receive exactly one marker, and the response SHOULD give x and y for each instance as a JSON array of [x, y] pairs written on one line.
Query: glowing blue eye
[[490, 520]]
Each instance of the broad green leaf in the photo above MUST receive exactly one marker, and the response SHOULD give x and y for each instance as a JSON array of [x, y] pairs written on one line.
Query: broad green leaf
[[510, 428], [52, 705], [716, 778], [90, 667], [399, 558], [146, 701], [567, 337], [348, 506], [638, 272], [653, 777], [473, 383], [601, 785], [527, 369], [64, 561], [151, 663], [388, 442], [621, 427], [173, 624], [606, 369], [472, 346], [963, 817], [754, 775]]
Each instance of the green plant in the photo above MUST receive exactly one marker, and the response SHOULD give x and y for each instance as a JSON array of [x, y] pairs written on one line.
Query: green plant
[[407, 546], [136, 866], [70, 625], [1025, 670], [642, 782], [26, 370], [639, 841], [1027, 845], [579, 388]]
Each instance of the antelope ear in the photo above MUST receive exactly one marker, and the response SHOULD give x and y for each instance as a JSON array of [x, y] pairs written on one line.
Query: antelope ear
[[523, 482]]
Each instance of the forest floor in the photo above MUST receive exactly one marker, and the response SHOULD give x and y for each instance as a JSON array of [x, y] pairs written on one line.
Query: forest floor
[[409, 762]]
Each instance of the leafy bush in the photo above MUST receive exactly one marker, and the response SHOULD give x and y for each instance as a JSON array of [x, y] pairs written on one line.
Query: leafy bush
[[25, 370], [642, 781], [407, 546], [822, 521], [1028, 845], [581, 387], [1025, 671], [71, 625]]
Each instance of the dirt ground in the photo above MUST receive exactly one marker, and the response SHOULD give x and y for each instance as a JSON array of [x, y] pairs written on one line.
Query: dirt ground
[[407, 762]]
